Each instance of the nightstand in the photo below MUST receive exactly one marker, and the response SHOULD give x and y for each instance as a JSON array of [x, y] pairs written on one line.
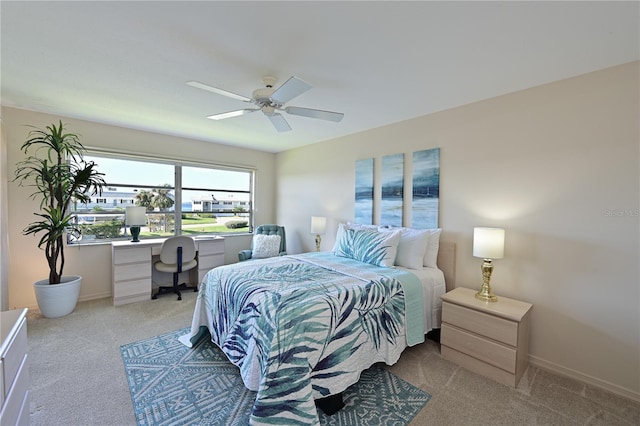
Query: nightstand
[[490, 338]]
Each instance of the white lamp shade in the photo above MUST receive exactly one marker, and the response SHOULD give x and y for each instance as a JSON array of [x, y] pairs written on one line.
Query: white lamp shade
[[318, 225], [136, 216], [488, 243]]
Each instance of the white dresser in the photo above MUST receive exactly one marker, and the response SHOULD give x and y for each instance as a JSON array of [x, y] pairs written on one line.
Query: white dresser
[[14, 368], [133, 272]]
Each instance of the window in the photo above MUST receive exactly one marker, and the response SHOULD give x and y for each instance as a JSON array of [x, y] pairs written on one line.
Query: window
[[180, 198]]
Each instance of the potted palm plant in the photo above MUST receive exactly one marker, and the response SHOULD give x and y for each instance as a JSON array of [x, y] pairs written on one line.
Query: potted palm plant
[[54, 166]]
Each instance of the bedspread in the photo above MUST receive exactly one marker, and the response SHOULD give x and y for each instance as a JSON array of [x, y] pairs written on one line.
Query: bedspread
[[303, 327]]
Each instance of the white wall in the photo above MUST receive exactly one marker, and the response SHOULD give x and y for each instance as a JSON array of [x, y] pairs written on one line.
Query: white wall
[[557, 166], [4, 223], [27, 263]]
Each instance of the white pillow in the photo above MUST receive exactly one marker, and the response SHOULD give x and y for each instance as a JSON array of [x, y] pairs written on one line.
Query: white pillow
[[431, 254], [265, 246], [369, 246], [360, 226], [339, 235], [412, 247]]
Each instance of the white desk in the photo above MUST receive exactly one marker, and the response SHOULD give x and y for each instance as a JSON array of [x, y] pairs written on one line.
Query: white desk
[[133, 272]]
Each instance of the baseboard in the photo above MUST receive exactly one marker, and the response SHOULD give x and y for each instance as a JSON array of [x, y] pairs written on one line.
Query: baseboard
[[84, 298], [593, 381], [30, 308], [103, 295]]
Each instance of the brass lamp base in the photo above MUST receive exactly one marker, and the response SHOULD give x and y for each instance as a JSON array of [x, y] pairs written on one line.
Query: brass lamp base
[[485, 294], [318, 242]]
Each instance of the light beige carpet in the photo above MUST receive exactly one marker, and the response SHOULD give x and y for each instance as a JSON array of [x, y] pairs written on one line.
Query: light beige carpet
[[78, 378]]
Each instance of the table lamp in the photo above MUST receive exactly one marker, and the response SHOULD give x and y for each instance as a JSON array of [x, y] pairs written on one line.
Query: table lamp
[[135, 217], [318, 227], [488, 244]]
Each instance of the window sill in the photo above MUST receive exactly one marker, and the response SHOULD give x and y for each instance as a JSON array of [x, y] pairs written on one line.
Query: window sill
[[83, 243]]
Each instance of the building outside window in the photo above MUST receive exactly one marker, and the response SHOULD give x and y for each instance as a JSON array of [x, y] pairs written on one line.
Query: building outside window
[[180, 198]]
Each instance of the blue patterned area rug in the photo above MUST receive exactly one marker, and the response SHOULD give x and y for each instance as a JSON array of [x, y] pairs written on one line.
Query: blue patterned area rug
[[172, 384]]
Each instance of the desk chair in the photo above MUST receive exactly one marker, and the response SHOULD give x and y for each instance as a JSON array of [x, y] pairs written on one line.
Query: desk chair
[[177, 254], [265, 230]]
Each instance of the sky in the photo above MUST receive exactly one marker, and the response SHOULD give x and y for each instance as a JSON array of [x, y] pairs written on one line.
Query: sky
[[119, 171]]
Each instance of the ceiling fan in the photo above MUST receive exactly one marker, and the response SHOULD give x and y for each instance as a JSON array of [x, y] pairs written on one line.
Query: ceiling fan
[[272, 101]]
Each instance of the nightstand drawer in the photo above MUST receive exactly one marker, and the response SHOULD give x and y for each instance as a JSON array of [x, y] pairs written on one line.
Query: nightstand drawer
[[495, 328], [472, 364], [491, 352]]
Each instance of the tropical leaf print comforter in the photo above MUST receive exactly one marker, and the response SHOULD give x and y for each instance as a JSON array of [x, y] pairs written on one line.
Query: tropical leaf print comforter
[[302, 327]]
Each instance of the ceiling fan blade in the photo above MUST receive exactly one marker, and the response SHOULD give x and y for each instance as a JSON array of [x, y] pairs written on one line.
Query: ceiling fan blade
[[315, 113], [218, 91], [279, 122], [230, 114], [290, 89]]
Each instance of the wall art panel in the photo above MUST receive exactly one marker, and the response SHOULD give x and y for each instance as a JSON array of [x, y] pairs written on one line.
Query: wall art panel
[[392, 190], [426, 188], [364, 192]]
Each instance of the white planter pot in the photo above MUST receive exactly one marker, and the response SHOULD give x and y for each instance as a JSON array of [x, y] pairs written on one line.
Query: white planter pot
[[57, 300]]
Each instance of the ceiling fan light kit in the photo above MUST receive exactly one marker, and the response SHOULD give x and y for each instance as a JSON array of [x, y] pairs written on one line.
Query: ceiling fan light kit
[[231, 114], [271, 101]]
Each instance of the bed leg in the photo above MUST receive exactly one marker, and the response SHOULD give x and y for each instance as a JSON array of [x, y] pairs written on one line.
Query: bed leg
[[331, 404], [434, 335]]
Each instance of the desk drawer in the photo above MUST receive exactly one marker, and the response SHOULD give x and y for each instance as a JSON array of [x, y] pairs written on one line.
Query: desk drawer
[[475, 346], [131, 255], [211, 261], [132, 272], [495, 328], [210, 247], [132, 288]]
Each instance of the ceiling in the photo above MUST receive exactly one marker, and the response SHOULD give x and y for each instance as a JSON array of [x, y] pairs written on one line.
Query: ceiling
[[126, 63]]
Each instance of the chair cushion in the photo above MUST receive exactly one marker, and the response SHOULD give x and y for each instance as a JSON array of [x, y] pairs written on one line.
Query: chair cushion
[[265, 246], [173, 267]]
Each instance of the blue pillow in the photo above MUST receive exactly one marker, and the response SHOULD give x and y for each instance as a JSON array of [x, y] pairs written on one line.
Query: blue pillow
[[369, 246]]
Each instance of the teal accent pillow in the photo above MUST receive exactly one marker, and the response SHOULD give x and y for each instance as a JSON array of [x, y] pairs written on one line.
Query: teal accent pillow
[[369, 246]]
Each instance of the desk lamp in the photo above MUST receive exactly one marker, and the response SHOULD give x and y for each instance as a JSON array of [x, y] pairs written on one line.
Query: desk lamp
[[488, 243], [135, 217], [318, 227]]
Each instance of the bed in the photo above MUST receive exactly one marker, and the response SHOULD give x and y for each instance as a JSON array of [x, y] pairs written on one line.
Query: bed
[[301, 328]]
